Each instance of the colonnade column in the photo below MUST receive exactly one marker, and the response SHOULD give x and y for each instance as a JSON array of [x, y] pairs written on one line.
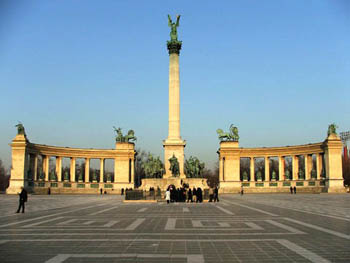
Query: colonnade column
[[221, 170], [132, 171], [35, 172], [59, 168], [87, 170], [308, 166], [267, 169], [72, 169], [319, 165], [281, 168], [46, 160], [295, 167], [102, 169], [252, 172]]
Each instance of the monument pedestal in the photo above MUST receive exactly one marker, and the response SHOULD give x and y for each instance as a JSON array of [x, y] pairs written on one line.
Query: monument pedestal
[[174, 147]]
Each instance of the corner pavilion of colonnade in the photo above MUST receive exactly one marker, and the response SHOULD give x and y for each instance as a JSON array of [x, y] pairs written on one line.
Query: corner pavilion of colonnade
[[321, 171]]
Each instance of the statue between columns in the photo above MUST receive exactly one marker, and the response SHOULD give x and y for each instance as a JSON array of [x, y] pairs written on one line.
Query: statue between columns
[[124, 138]]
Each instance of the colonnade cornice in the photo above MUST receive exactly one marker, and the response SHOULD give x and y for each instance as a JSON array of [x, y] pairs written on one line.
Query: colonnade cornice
[[314, 148], [68, 152]]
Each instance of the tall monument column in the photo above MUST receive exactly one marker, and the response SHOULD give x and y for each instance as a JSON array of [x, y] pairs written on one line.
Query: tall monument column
[[174, 145]]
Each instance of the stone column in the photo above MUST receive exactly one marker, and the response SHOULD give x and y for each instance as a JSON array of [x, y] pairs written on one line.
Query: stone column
[[35, 172], [72, 168], [87, 170], [46, 162], [252, 172], [267, 169], [102, 169], [59, 168], [319, 165], [132, 171], [281, 167], [174, 145], [221, 170], [295, 167], [308, 166]]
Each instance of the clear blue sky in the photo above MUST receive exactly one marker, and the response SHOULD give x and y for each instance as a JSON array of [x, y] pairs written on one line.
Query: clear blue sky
[[70, 70]]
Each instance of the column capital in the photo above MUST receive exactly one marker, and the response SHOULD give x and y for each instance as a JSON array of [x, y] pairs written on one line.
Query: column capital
[[174, 46]]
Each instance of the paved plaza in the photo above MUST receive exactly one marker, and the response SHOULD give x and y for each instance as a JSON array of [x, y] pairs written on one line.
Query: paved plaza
[[249, 228]]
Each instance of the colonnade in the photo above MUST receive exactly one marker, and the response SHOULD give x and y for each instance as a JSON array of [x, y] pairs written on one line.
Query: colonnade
[[325, 172], [26, 171], [308, 167]]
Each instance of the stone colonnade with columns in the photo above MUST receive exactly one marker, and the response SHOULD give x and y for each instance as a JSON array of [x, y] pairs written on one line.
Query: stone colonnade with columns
[[321, 171], [25, 171]]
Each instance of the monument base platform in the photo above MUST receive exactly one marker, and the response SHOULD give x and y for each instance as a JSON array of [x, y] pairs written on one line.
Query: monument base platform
[[163, 183]]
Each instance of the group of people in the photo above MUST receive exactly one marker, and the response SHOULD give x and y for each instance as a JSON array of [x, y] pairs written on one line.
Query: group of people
[[183, 194]]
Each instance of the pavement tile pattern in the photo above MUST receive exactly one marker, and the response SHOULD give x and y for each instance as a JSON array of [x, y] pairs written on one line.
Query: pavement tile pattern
[[249, 228]]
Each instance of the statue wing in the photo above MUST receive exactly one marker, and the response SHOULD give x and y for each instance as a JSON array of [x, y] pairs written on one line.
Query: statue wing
[[169, 21], [177, 20]]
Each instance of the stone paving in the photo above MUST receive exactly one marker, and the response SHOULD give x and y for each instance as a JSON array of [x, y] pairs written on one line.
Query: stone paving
[[249, 228]]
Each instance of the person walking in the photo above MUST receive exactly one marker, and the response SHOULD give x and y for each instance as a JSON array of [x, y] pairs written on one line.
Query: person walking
[[291, 190], [242, 190], [167, 196], [23, 197], [295, 190], [216, 194]]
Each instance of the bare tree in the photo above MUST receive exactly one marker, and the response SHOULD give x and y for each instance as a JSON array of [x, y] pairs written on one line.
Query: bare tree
[[4, 178]]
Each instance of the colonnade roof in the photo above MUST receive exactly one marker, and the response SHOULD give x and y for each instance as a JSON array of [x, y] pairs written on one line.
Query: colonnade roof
[[312, 148], [69, 152]]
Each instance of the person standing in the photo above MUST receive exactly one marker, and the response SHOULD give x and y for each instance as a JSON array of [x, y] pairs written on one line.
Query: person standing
[[167, 196], [194, 194], [211, 194], [23, 197], [295, 190], [242, 190], [216, 194], [291, 190], [189, 195]]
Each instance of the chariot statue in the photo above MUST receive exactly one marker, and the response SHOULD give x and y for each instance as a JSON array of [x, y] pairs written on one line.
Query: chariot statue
[[232, 135], [332, 129], [20, 129], [174, 166], [124, 138]]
